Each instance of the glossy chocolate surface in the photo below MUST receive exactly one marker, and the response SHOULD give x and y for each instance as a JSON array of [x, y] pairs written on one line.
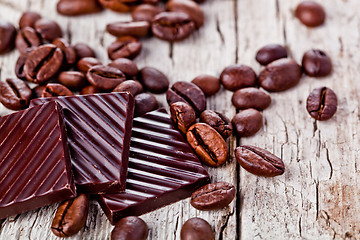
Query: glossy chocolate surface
[[162, 169], [35, 168], [99, 130]]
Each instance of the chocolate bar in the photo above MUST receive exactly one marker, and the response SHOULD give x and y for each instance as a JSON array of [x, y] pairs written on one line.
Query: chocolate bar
[[162, 169], [35, 167], [99, 131]]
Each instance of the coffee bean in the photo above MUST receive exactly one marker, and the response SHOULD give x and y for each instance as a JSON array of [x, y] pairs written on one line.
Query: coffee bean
[[213, 196], [218, 121], [70, 216], [280, 75], [208, 144], [68, 51], [19, 67], [49, 30], [207, 83], [73, 79], [135, 29], [7, 37], [189, 7], [105, 77], [27, 39], [316, 63], [196, 228], [82, 50], [37, 91], [321, 103], [270, 53], [90, 90], [188, 93], [153, 80], [238, 76], [247, 122], [310, 13], [15, 94], [250, 98], [145, 12], [153, 2], [54, 90], [116, 5], [28, 19], [131, 86], [77, 7], [84, 64], [183, 115], [43, 63], [127, 66], [145, 102], [172, 26], [124, 47], [259, 161], [130, 228]]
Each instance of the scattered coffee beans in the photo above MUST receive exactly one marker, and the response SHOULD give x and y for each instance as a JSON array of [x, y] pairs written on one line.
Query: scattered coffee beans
[[259, 161], [310, 13], [135, 29], [213, 196], [207, 83], [321, 103], [15, 94], [124, 47], [218, 121], [77, 7], [247, 122], [55, 90], [68, 51], [105, 77], [153, 80], [238, 76], [189, 7], [130, 228], [131, 86], [196, 228], [270, 53], [7, 37], [250, 98], [28, 19], [145, 102], [183, 115], [316, 63], [127, 66]]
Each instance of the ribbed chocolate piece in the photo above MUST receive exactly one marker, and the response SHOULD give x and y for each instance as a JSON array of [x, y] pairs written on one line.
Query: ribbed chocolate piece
[[35, 168], [99, 131], [162, 169]]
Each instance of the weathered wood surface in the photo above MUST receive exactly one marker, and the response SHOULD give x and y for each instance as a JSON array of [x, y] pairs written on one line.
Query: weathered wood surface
[[318, 196]]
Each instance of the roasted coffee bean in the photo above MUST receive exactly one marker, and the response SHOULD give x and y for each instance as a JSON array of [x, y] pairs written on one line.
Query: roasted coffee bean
[[280, 75], [145, 12], [310, 13], [28, 19], [127, 66], [172, 26], [213, 196], [259, 161], [86, 63], [134, 29], [77, 7], [70, 216], [270, 53], [19, 67], [207, 83], [321, 103], [54, 90], [105, 77], [188, 93], [27, 39], [189, 7], [15, 94], [153, 80], [116, 5], [68, 51], [251, 98], [196, 228], [82, 50], [130, 228], [218, 121], [43, 63], [90, 90], [316, 63], [247, 122], [238, 76], [37, 91], [7, 37], [145, 102], [183, 115], [131, 86], [208, 144], [124, 47], [73, 79], [48, 30]]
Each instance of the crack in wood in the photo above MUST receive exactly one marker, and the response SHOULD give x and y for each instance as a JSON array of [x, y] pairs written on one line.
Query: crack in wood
[[222, 228], [317, 198], [277, 7], [218, 30], [300, 226], [176, 226], [236, 31], [330, 164], [171, 52]]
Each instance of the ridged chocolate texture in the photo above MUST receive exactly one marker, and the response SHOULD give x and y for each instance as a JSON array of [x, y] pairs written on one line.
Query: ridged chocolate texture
[[162, 169], [35, 168], [99, 131]]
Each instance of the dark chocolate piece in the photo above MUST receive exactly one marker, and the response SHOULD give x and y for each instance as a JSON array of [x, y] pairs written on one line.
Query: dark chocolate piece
[[99, 131], [162, 169], [35, 168]]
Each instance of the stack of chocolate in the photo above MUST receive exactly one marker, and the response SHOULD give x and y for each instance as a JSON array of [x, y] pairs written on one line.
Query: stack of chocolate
[[63, 146]]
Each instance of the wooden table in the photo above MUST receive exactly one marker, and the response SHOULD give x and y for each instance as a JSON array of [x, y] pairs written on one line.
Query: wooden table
[[317, 197]]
